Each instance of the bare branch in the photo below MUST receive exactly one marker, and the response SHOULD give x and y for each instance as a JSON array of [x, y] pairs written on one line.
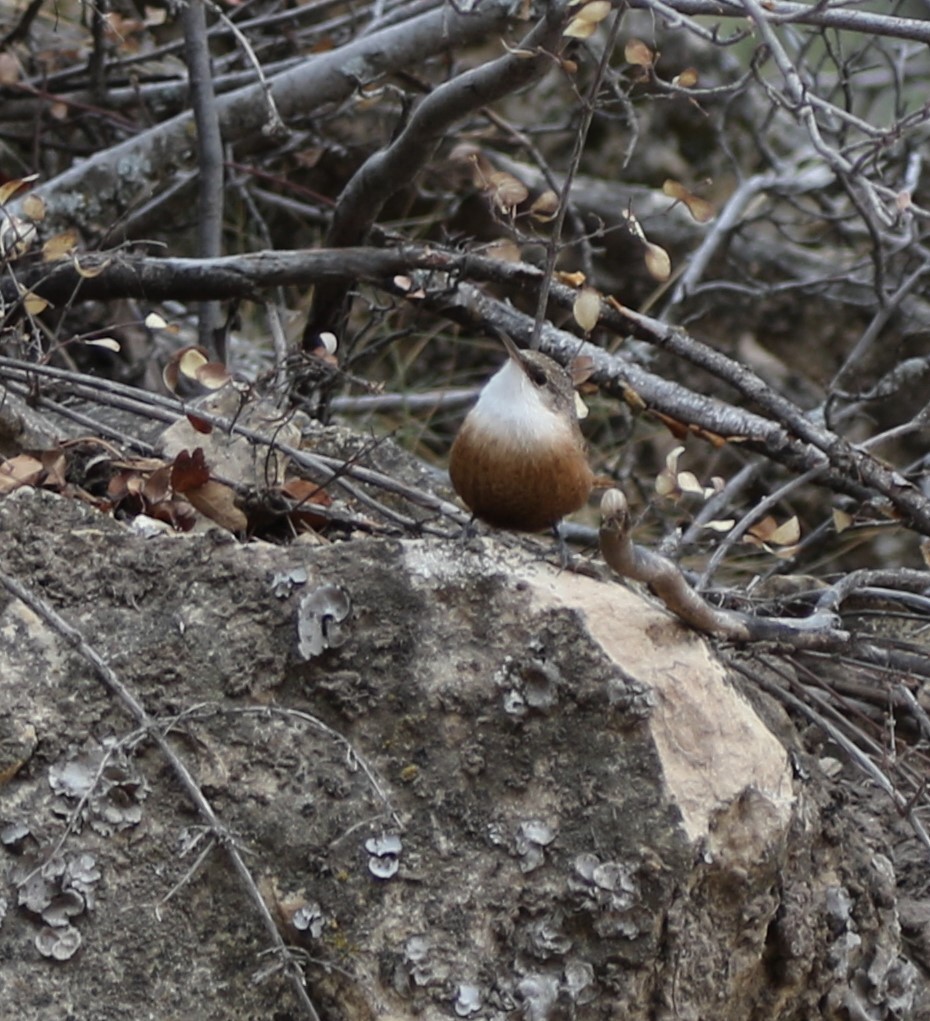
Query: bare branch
[[101, 188]]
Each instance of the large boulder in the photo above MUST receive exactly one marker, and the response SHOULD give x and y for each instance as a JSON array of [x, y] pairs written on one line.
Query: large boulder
[[467, 784]]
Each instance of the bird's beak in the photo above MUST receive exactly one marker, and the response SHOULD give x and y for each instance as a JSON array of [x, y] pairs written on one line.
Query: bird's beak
[[511, 348]]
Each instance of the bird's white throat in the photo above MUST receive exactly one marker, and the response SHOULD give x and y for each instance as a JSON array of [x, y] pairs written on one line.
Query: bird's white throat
[[512, 403]]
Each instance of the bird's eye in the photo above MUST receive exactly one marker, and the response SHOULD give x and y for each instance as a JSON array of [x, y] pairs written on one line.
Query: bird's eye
[[536, 374]]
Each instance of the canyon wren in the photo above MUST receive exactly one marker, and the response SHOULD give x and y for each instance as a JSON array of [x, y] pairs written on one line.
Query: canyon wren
[[519, 458]]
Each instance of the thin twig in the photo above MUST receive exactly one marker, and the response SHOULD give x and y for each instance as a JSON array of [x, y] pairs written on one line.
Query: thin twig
[[581, 136]]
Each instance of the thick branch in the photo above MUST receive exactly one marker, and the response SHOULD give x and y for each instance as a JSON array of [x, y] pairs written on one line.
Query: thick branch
[[820, 15], [102, 188], [392, 169], [667, 582]]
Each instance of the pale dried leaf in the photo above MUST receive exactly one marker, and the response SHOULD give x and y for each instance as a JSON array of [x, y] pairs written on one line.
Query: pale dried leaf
[[10, 188], [688, 483], [671, 459], [787, 534], [580, 28], [699, 208], [545, 206], [155, 16], [507, 191], [191, 359], [637, 52], [505, 250], [217, 502], [841, 520], [666, 484], [10, 68], [34, 208], [723, 525], [687, 79], [595, 11], [212, 375], [587, 308], [59, 246], [22, 470], [581, 369], [33, 304], [105, 342], [658, 262], [155, 322]]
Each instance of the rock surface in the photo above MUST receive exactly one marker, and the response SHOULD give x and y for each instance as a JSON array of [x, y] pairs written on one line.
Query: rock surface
[[492, 790]]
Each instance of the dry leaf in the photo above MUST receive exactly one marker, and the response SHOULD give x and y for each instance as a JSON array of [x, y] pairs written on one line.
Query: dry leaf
[[34, 208], [580, 28], [155, 16], [190, 360], [33, 304], [189, 471], [638, 53], [56, 466], [587, 308], [200, 425], [182, 373], [217, 502], [212, 375], [59, 246], [699, 208], [667, 480], [22, 470], [576, 279], [587, 19], [786, 534], [10, 68], [155, 322], [581, 368], [768, 531], [687, 79], [10, 188], [157, 486], [307, 494], [506, 191], [545, 206], [505, 250], [841, 520], [688, 483], [657, 262], [665, 485], [105, 342]]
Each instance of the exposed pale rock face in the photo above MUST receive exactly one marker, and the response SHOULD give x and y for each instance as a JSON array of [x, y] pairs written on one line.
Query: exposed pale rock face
[[712, 746], [556, 803]]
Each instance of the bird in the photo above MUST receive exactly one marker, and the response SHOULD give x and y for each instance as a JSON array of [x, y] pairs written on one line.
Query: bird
[[519, 460]]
